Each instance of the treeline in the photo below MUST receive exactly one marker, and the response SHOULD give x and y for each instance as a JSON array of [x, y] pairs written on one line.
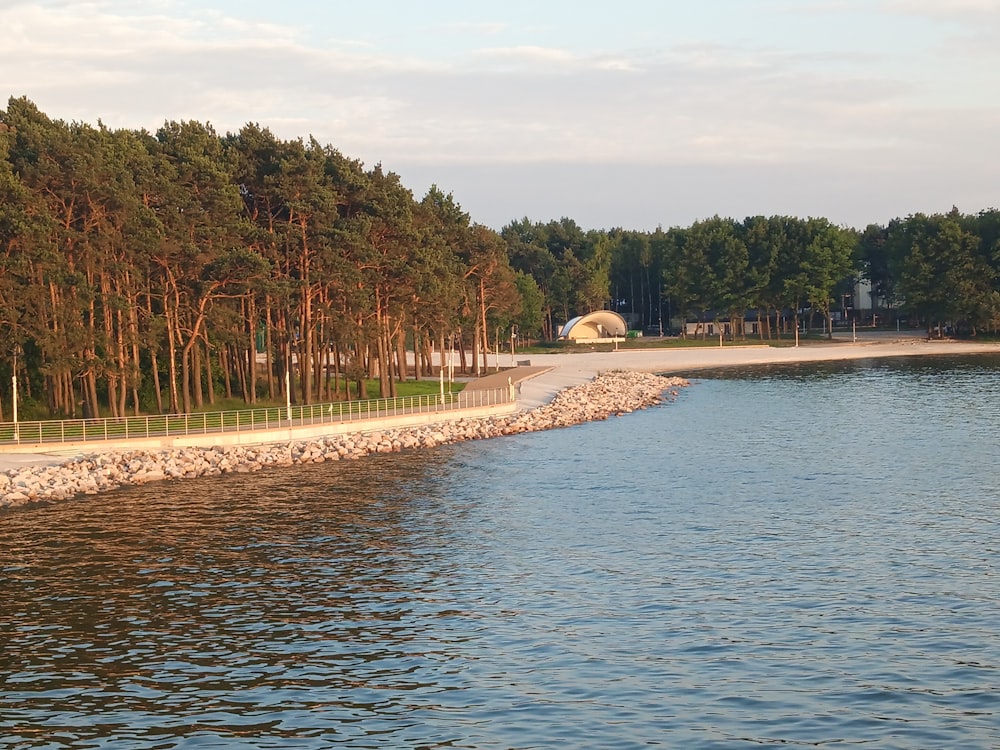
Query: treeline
[[152, 271], [936, 270], [147, 271], [942, 269], [717, 269]]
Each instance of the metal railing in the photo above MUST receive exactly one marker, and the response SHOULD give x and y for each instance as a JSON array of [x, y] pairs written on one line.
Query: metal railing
[[272, 417]]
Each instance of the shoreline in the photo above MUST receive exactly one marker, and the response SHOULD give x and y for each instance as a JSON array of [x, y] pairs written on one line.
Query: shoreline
[[567, 370], [610, 394], [562, 390]]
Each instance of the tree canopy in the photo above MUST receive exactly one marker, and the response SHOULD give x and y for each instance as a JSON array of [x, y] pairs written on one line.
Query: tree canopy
[[159, 271]]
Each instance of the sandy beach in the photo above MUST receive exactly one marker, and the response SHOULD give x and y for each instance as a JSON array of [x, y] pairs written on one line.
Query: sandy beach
[[551, 373]]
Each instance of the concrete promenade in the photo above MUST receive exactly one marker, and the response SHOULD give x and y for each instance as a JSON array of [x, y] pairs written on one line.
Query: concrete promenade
[[550, 373], [558, 371]]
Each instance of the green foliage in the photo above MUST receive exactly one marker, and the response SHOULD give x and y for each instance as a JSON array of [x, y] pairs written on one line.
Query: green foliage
[[529, 321], [163, 271], [945, 273], [177, 267]]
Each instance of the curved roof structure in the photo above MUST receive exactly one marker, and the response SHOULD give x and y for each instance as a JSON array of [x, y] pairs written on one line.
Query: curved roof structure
[[601, 324]]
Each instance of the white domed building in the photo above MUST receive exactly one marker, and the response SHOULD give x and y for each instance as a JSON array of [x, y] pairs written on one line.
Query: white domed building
[[600, 325]]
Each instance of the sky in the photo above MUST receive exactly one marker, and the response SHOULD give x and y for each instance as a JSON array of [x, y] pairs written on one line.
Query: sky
[[622, 113]]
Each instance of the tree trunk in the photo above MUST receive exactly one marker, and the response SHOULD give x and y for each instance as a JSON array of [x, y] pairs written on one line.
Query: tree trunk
[[444, 364], [175, 403], [305, 350], [209, 380], [227, 356], [427, 352], [272, 386], [249, 362], [383, 363], [193, 353], [418, 370], [90, 385], [401, 362], [475, 347], [482, 321], [122, 356], [154, 360], [136, 373], [336, 372], [237, 361]]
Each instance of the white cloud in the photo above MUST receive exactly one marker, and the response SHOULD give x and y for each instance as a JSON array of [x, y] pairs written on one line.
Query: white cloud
[[964, 11], [526, 55], [693, 100], [478, 28]]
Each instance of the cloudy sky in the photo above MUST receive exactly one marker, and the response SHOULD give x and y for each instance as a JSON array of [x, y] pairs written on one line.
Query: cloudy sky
[[631, 113]]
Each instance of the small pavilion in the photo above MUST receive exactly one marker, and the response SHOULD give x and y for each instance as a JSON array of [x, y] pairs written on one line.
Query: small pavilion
[[597, 325]]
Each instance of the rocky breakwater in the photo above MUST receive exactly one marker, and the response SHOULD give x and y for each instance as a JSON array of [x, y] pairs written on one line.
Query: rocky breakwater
[[610, 394]]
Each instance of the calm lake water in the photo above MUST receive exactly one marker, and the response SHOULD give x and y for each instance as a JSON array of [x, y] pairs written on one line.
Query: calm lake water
[[784, 557]]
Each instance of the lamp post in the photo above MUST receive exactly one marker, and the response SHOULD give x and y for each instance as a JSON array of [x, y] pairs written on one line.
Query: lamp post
[[451, 360], [288, 380], [659, 310], [13, 381]]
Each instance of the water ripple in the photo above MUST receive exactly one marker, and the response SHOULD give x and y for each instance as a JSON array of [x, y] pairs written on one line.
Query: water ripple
[[794, 557]]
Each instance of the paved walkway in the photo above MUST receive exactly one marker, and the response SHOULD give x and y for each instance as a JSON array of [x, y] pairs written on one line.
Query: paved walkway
[[504, 378], [551, 373]]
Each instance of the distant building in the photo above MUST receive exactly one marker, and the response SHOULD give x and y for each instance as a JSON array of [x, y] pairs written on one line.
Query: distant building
[[720, 327], [601, 324]]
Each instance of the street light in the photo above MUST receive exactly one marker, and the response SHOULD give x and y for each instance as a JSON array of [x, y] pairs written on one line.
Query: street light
[[288, 393], [496, 342], [659, 310], [451, 360], [13, 380], [289, 362]]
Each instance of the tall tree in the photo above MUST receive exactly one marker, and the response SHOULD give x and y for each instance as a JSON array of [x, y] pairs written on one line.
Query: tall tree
[[201, 206], [528, 253], [876, 263], [942, 278], [443, 229]]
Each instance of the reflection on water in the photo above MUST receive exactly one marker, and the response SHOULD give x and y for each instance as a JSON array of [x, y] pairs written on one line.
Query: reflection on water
[[779, 559]]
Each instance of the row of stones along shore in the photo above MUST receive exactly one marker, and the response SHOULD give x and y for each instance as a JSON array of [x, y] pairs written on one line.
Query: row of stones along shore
[[609, 394]]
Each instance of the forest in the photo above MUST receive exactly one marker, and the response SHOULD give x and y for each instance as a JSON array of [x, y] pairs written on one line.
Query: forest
[[157, 272]]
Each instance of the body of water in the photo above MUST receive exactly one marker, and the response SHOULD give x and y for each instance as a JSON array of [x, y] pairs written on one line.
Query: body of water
[[784, 557]]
